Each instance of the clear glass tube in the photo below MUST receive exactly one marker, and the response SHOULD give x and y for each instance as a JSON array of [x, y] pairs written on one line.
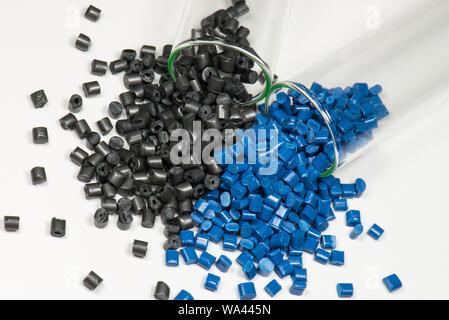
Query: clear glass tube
[[408, 57], [266, 20]]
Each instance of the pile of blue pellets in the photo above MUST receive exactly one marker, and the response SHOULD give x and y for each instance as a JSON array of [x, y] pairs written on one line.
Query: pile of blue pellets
[[274, 219]]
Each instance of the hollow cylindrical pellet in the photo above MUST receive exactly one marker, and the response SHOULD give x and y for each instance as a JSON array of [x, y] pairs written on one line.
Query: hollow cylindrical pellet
[[155, 162], [173, 242], [118, 66], [68, 121], [93, 190], [83, 42], [92, 13], [91, 89], [99, 67], [140, 248], [92, 281], [212, 181], [195, 175], [11, 223], [124, 220], [116, 178], [176, 175], [101, 218], [82, 128], [102, 171], [109, 191], [105, 125], [75, 103], [162, 291], [92, 140], [58, 227], [38, 175], [154, 202], [158, 177], [126, 188], [40, 135], [124, 204], [102, 148], [148, 218], [147, 50], [147, 149]]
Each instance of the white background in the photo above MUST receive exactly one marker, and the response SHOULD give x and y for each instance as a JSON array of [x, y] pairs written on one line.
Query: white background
[[406, 173]]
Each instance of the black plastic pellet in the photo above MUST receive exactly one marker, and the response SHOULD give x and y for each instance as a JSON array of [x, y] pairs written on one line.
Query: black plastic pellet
[[109, 204], [39, 98], [147, 50], [115, 109], [102, 170], [116, 178], [124, 220], [135, 66], [92, 281], [138, 205], [148, 60], [213, 167], [75, 103], [105, 125], [86, 173], [99, 67], [126, 188], [128, 54], [140, 248], [83, 42], [165, 194], [184, 190], [38, 175], [171, 228], [158, 177], [78, 156], [131, 111], [148, 218], [124, 169], [57, 228], [118, 66], [195, 175], [166, 50], [93, 190], [249, 115], [91, 89], [185, 221], [132, 80], [155, 162], [101, 218], [68, 121], [154, 202], [173, 242], [92, 140], [162, 291], [176, 175], [109, 191], [94, 159], [103, 149], [147, 76], [82, 128], [92, 13], [212, 182], [185, 206], [147, 149], [11, 223], [199, 190], [40, 135]]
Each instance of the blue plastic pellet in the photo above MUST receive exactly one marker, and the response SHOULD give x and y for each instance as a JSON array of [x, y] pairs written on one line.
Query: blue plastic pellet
[[321, 223], [206, 260], [247, 291], [392, 282], [375, 232], [299, 274], [201, 206], [282, 211], [172, 258], [276, 256], [189, 255], [314, 233], [225, 216], [225, 199], [255, 202], [279, 240], [328, 242], [340, 204], [232, 227], [246, 230], [273, 287], [283, 269], [212, 282], [353, 218], [308, 214], [273, 200], [297, 288], [295, 261], [187, 238], [238, 190], [360, 187], [213, 195], [223, 263], [266, 266], [183, 295], [248, 215], [218, 222], [356, 232], [322, 256], [345, 290], [235, 214], [310, 245], [275, 222], [337, 258], [201, 241], [249, 269], [258, 252], [245, 244], [215, 234], [197, 218], [239, 204], [230, 242], [206, 225], [244, 257]]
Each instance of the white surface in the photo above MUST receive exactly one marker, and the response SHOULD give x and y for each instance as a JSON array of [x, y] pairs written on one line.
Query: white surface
[[406, 179]]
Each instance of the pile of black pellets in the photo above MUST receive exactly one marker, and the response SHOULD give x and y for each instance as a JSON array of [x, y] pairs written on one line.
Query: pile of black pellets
[[132, 173]]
